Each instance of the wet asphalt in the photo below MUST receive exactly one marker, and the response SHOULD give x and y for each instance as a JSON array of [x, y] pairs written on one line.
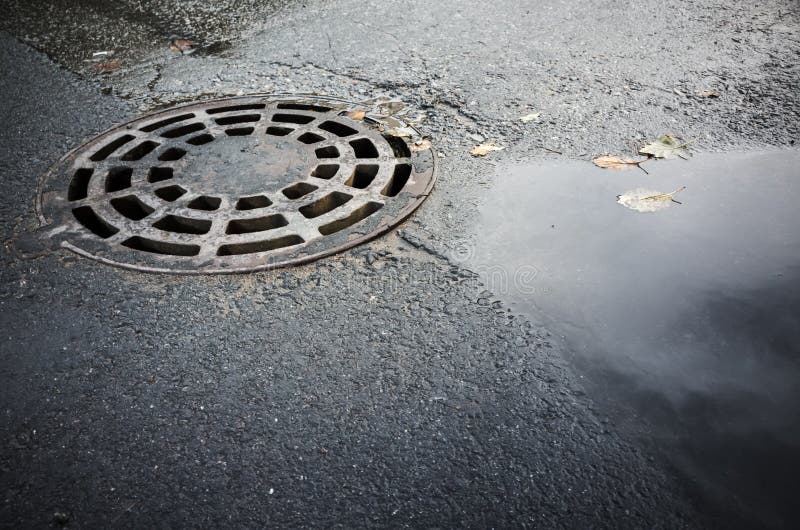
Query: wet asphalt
[[685, 321], [386, 386]]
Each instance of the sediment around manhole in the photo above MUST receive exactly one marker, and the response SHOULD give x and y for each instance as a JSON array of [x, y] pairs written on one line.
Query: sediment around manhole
[[235, 185]]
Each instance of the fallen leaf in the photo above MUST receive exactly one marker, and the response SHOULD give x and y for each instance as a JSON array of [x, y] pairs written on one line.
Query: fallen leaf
[[664, 196], [530, 117], [616, 162], [357, 115], [420, 145], [151, 379], [107, 67], [707, 93], [184, 46], [667, 147], [484, 149], [642, 200]]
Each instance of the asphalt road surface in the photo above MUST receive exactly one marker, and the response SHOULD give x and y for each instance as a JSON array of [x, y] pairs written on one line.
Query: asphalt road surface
[[384, 387]]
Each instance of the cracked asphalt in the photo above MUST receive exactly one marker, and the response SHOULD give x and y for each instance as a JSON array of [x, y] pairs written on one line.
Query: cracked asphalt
[[384, 386]]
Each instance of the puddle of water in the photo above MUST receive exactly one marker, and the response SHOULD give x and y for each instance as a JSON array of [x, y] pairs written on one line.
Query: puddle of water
[[685, 321]]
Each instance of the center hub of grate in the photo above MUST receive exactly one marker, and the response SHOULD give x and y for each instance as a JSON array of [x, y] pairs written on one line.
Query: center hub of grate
[[242, 166], [234, 185]]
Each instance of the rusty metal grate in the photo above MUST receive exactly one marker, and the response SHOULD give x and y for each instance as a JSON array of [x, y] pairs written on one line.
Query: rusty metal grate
[[234, 185]]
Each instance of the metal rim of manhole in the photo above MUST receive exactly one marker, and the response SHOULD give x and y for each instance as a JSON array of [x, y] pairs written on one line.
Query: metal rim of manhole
[[237, 184]]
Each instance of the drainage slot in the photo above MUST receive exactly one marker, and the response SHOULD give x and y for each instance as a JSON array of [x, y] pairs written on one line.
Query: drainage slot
[[159, 174], [310, 138], [140, 151], [303, 106], [183, 225], [259, 246], [200, 139], [259, 224], [301, 189], [357, 215], [131, 207], [363, 176], [93, 222], [183, 130], [255, 106], [325, 171], [292, 118], [161, 247], [399, 147], [363, 148], [205, 203], [170, 193], [240, 131], [243, 118], [164, 123], [339, 129], [279, 131], [118, 178], [107, 149], [251, 203], [398, 181], [171, 154], [79, 185], [325, 204], [327, 152]]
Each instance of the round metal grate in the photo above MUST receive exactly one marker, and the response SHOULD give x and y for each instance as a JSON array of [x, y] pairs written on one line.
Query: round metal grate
[[235, 185]]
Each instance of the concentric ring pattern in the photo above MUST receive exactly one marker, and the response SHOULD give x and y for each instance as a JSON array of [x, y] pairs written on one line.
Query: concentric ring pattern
[[234, 185]]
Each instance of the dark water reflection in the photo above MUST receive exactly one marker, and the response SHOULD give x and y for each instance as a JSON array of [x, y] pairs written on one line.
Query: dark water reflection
[[685, 323]]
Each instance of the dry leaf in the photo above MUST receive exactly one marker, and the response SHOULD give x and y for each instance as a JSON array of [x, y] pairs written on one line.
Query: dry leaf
[[707, 93], [529, 117], [184, 46], [420, 145], [151, 379], [664, 196], [667, 147], [643, 200], [615, 162], [357, 115], [107, 67], [484, 149]]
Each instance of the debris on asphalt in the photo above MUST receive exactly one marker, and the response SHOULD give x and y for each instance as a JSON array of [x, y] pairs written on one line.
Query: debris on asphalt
[[106, 67], [108, 53], [530, 117], [643, 200], [185, 46], [485, 148], [667, 147]]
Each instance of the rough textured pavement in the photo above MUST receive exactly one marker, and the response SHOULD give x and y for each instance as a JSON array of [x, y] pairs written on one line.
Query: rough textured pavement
[[382, 387]]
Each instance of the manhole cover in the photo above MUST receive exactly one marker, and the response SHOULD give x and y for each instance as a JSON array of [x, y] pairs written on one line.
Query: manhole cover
[[234, 185]]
